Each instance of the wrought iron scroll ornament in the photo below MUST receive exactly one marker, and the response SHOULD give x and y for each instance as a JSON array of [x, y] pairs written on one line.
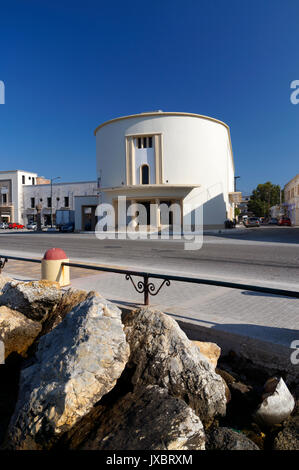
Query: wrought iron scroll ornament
[[145, 286], [152, 287], [140, 285]]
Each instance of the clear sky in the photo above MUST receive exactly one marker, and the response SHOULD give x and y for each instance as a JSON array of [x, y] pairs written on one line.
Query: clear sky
[[70, 65]]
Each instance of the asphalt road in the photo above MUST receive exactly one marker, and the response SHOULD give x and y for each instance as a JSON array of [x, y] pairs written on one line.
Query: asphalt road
[[265, 255]]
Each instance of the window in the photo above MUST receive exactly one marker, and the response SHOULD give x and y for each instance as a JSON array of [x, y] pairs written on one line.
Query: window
[[144, 142], [145, 174], [23, 179], [49, 202], [33, 180], [66, 201], [4, 198], [32, 202]]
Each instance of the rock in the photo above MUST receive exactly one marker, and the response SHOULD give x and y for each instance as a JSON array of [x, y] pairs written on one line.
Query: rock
[[16, 331], [161, 354], [210, 350], [228, 395], [34, 299], [148, 420], [229, 379], [3, 281], [226, 439], [68, 301], [76, 364], [277, 405], [243, 394], [288, 438]]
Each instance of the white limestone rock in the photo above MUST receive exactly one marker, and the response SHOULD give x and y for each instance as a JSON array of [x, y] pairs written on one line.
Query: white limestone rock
[[76, 364], [277, 405], [161, 354]]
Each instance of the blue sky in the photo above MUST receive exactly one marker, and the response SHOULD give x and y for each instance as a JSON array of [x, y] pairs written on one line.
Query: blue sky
[[70, 65]]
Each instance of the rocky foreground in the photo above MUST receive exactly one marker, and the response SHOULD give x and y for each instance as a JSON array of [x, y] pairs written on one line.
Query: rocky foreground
[[80, 375]]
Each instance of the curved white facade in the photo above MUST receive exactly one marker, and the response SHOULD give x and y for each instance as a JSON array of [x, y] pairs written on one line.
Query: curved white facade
[[185, 158]]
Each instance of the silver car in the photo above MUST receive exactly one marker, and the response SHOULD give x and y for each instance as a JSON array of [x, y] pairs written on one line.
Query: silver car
[[32, 226], [3, 225], [252, 222]]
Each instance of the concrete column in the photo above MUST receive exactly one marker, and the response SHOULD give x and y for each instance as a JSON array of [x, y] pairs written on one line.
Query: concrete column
[[134, 222], [133, 166], [158, 213]]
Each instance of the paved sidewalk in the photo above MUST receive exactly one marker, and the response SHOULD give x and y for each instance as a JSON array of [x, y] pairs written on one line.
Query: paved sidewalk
[[261, 316]]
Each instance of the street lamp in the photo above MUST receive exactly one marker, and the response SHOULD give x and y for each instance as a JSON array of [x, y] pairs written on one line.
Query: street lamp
[[53, 179], [235, 182]]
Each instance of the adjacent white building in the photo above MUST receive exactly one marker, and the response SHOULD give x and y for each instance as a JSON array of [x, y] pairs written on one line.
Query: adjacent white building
[[166, 157], [60, 196], [291, 197], [12, 185], [21, 191]]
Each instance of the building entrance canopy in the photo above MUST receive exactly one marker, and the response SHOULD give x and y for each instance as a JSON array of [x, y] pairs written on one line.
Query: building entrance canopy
[[146, 191]]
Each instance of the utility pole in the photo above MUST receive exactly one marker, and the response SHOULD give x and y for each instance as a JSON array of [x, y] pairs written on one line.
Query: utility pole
[[52, 179]]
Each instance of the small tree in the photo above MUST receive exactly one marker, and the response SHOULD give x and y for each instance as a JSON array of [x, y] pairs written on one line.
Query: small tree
[[263, 197], [237, 212]]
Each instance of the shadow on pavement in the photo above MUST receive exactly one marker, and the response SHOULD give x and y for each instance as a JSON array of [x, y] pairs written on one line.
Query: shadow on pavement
[[262, 294], [263, 234], [282, 336]]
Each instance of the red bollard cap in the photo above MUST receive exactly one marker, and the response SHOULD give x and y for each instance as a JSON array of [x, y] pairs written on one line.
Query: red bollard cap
[[55, 254]]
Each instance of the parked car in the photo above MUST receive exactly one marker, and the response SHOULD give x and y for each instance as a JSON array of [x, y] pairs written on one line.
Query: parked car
[[252, 222], [3, 225], [15, 225], [273, 221], [32, 226], [285, 221], [67, 228]]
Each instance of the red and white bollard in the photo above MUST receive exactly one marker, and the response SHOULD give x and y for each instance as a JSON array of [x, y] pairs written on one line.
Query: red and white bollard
[[52, 269]]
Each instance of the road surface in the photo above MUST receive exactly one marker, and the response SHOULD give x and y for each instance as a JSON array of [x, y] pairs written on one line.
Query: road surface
[[268, 255]]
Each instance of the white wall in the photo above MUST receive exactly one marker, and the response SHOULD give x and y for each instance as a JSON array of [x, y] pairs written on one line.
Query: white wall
[[20, 198], [17, 190], [83, 201]]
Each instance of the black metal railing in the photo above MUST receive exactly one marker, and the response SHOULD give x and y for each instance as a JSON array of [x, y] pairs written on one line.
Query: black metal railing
[[148, 288]]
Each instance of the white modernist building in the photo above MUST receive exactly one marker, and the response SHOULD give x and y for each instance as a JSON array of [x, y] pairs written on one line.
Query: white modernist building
[[167, 157]]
